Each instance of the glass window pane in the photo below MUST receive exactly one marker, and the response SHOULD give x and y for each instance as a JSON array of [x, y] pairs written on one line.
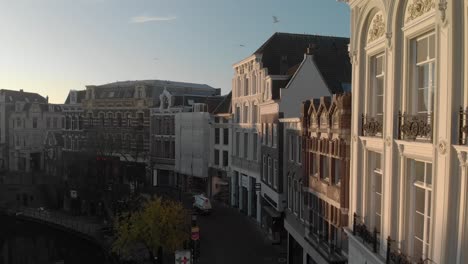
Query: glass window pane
[[428, 230], [423, 76], [429, 203], [417, 248], [378, 160], [378, 203], [377, 222], [379, 105], [378, 183], [378, 65], [379, 84], [418, 225], [432, 47], [419, 171], [428, 173], [419, 200], [421, 49], [423, 105]]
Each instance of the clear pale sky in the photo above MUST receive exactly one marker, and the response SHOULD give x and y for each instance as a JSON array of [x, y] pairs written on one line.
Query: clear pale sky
[[52, 46]]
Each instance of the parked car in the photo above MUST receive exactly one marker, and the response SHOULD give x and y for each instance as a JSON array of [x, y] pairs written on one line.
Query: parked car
[[202, 204]]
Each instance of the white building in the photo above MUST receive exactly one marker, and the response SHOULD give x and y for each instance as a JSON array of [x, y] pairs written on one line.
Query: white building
[[220, 151], [408, 152]]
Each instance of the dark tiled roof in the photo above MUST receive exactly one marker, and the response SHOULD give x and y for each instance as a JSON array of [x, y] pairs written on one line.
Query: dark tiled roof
[[282, 51], [13, 96], [153, 88], [213, 102], [225, 106], [80, 95]]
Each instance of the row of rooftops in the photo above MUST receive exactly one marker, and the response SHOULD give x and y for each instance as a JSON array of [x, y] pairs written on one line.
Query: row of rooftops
[[281, 54]]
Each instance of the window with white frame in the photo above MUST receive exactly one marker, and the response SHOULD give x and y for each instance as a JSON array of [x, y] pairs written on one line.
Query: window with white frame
[[298, 149], [375, 190], [422, 81], [275, 174], [270, 173], [263, 134], [290, 193], [254, 113], [377, 85], [265, 169], [245, 118], [246, 86], [237, 114], [420, 217], [315, 162]]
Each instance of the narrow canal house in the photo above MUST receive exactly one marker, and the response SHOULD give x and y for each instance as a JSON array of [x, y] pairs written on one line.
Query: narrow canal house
[[408, 179], [318, 195]]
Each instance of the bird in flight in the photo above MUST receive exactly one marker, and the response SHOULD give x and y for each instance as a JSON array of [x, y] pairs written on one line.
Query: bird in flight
[[242, 45], [275, 19], [155, 59]]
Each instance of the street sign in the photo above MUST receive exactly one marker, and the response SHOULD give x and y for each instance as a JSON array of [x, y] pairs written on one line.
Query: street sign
[[195, 233], [182, 257]]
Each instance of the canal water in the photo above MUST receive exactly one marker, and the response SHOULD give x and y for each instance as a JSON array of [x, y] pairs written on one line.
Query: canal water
[[23, 242]]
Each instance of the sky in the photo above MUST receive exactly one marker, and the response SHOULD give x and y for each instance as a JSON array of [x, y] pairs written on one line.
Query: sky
[[53, 46]]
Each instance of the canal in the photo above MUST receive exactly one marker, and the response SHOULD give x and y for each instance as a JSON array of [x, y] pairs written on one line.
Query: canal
[[23, 242]]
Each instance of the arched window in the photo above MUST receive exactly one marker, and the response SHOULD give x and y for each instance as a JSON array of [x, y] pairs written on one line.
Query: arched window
[[118, 142], [139, 143], [129, 119], [74, 122], [245, 118], [246, 85], [254, 83]]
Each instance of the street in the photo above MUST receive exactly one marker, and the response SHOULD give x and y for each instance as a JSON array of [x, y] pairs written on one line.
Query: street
[[228, 236]]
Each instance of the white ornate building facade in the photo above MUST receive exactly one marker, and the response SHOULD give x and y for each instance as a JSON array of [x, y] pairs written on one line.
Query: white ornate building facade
[[408, 154]]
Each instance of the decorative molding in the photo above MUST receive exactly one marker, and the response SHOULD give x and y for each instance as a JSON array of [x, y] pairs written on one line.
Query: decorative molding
[[442, 9], [462, 154], [355, 138], [388, 140], [388, 37], [352, 57], [442, 146], [418, 8], [377, 27], [401, 148]]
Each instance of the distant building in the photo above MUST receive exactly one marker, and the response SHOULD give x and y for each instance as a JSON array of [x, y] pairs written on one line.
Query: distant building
[[8, 99], [29, 124], [173, 98]]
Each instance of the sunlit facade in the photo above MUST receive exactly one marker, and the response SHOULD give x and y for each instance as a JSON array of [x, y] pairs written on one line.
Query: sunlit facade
[[408, 154]]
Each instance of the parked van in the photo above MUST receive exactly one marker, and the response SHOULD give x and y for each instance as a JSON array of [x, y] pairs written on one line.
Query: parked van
[[202, 204]]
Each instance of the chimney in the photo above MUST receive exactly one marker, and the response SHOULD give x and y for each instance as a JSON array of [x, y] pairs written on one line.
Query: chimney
[[21, 90], [311, 49]]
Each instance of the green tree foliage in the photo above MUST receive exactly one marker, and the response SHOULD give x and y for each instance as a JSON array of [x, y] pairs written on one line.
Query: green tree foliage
[[159, 223]]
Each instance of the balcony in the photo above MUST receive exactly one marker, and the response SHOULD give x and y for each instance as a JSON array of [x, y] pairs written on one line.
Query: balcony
[[396, 256], [369, 238], [371, 126], [416, 127]]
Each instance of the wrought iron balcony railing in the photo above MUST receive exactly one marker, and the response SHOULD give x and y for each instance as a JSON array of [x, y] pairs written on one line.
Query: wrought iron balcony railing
[[369, 238], [396, 256], [371, 125], [415, 127], [463, 126]]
